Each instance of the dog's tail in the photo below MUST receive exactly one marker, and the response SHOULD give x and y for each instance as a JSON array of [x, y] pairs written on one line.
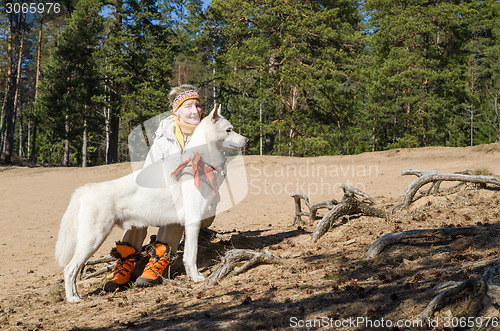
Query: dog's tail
[[66, 239]]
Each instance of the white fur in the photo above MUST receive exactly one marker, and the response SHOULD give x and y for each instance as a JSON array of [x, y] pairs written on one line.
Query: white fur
[[95, 208]]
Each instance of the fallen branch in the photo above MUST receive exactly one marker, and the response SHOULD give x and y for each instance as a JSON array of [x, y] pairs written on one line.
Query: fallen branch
[[234, 256], [111, 263], [476, 264], [391, 238], [348, 242], [436, 190], [436, 177], [486, 284], [104, 259], [431, 307], [492, 280], [108, 268], [349, 205], [313, 209]]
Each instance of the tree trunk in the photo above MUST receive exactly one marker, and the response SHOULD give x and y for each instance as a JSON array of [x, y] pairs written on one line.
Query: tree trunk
[[28, 136], [66, 142], [472, 65], [32, 155], [51, 148], [19, 61], [33, 140], [84, 147], [112, 150], [106, 129], [114, 119], [497, 117], [2, 115], [472, 124], [18, 80], [342, 151], [9, 105], [20, 152], [373, 135]]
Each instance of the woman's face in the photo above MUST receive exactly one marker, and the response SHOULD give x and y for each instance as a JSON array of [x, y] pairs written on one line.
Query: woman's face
[[190, 111]]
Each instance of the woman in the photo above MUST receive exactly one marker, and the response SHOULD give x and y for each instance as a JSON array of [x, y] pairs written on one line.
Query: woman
[[170, 139]]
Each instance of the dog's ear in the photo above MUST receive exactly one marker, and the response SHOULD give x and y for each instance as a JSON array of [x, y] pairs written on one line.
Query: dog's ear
[[215, 113]]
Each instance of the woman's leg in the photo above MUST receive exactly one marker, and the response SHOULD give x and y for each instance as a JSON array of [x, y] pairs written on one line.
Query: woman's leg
[[125, 252], [167, 241], [135, 237], [171, 234]]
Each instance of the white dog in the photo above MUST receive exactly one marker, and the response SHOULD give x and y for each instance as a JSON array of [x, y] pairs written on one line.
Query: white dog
[[95, 208]]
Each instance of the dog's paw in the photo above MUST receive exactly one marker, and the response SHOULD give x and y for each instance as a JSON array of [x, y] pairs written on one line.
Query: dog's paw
[[73, 298], [197, 277]]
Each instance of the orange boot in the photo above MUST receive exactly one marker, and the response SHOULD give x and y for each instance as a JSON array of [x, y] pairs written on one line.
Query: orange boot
[[159, 259], [126, 255]]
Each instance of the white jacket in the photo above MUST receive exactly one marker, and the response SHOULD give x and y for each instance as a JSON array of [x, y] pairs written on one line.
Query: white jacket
[[165, 143]]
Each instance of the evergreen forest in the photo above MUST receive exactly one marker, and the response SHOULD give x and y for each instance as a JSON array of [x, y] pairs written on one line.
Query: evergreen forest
[[297, 77]]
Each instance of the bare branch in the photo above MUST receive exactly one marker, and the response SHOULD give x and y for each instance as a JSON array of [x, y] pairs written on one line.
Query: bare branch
[[313, 209], [475, 264], [348, 206], [430, 176], [396, 237], [104, 259], [351, 190], [431, 307], [232, 257], [108, 268], [488, 283]]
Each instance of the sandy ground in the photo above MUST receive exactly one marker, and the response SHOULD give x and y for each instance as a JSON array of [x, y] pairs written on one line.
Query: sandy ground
[[329, 279]]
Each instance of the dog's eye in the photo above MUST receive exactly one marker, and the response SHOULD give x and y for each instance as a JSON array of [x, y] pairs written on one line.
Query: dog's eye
[[229, 130]]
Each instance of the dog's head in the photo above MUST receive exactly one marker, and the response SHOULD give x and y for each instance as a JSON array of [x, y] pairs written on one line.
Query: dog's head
[[219, 130]]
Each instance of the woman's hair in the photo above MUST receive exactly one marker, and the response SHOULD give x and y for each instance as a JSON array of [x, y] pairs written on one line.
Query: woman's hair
[[178, 90]]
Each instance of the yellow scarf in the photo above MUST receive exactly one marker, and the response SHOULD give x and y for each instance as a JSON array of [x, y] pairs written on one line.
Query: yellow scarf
[[183, 131]]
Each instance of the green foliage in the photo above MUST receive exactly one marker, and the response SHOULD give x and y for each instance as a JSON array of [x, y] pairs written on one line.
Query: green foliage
[[71, 83], [486, 49], [424, 71], [294, 60], [306, 78], [404, 142]]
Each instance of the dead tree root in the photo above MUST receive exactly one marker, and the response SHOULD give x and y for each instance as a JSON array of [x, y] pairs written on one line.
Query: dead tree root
[[349, 205], [391, 238], [436, 178], [233, 257], [313, 209], [487, 284]]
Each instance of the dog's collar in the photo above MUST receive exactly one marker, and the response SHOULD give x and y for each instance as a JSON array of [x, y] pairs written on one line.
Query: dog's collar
[[200, 169]]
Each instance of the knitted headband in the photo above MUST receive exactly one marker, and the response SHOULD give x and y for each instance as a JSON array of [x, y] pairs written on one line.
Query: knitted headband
[[192, 94]]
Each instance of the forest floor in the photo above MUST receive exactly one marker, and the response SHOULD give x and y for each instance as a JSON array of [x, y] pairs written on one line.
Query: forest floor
[[329, 283]]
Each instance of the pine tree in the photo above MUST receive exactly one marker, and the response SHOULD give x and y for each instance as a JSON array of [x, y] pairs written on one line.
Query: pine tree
[[486, 52], [150, 66], [9, 117], [419, 65], [136, 60], [294, 59], [71, 79]]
